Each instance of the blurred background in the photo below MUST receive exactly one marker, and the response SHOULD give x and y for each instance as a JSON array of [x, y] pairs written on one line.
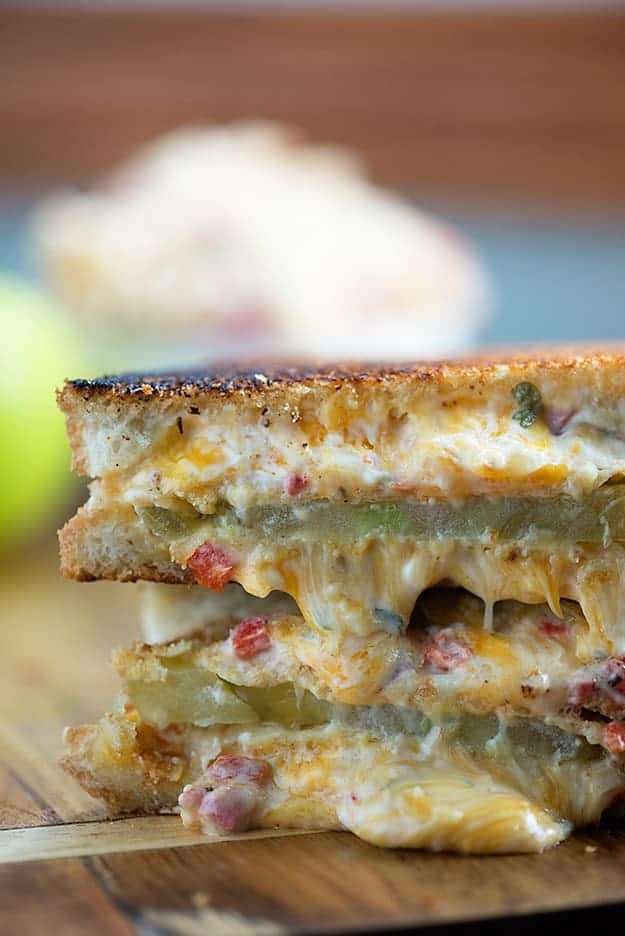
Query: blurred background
[[343, 179]]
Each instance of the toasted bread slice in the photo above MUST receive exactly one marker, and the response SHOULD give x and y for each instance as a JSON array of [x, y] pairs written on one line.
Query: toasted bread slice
[[109, 543], [113, 422]]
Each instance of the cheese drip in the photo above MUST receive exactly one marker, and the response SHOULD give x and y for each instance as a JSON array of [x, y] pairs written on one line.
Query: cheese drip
[[373, 585], [441, 807]]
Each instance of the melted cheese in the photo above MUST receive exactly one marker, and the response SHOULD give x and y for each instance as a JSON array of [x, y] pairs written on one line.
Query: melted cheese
[[397, 793], [355, 446], [447, 446], [392, 790], [519, 666], [402, 762], [441, 807], [344, 588], [391, 670]]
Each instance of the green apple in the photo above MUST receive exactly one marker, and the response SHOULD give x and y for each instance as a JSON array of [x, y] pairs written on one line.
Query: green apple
[[39, 347]]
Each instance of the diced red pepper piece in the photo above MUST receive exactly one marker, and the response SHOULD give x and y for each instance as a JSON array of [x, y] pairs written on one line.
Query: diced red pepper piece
[[580, 692], [612, 673], [558, 419], [551, 627], [600, 685], [295, 483], [237, 767], [227, 794], [211, 566], [614, 737], [229, 808], [444, 653], [250, 637]]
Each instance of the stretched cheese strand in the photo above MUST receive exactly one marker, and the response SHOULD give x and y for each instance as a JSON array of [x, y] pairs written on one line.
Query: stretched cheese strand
[[374, 585], [444, 807]]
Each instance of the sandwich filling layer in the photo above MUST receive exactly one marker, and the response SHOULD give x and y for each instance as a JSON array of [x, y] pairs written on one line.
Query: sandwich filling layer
[[505, 785], [272, 663], [360, 568], [446, 737]]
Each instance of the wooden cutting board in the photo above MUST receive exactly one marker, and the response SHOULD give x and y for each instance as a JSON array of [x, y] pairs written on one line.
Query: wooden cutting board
[[65, 868]]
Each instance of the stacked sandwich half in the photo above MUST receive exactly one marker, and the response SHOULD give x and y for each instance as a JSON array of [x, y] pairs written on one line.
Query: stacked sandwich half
[[395, 600]]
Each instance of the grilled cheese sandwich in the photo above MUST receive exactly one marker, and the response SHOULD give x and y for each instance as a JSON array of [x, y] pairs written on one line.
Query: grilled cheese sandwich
[[333, 501]]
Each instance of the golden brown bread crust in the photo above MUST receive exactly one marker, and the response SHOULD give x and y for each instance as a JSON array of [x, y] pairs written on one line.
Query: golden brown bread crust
[[104, 544], [254, 381], [136, 771]]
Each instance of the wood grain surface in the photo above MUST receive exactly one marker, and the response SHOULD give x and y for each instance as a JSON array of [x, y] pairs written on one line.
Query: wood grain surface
[[489, 104], [65, 868]]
